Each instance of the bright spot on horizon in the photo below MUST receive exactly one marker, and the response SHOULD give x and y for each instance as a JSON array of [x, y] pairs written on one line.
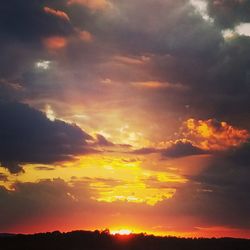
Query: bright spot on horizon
[[43, 64], [121, 232]]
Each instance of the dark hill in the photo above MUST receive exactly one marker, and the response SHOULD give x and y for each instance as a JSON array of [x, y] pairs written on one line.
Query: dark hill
[[85, 240]]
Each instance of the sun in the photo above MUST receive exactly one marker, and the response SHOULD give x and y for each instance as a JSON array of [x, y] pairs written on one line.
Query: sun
[[121, 232]]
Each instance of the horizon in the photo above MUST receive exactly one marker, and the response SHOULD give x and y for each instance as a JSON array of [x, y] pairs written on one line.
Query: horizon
[[127, 232], [132, 115], [125, 235], [105, 240]]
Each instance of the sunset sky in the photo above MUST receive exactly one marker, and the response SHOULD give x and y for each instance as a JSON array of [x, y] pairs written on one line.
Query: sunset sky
[[125, 114]]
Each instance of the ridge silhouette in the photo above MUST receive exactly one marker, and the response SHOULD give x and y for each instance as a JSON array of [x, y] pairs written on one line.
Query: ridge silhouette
[[103, 240]]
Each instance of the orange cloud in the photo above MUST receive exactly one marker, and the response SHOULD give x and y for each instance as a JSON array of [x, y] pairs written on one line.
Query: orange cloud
[[158, 85], [213, 135], [57, 13], [85, 36], [91, 4], [55, 42]]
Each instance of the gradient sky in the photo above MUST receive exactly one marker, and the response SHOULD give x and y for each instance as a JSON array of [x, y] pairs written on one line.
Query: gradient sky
[[125, 114]]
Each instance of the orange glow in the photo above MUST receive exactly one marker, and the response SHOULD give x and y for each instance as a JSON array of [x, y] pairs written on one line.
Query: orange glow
[[122, 232], [85, 36], [158, 85], [55, 42], [57, 13], [213, 135], [91, 4]]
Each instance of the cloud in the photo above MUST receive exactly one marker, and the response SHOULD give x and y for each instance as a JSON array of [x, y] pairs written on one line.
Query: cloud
[[29, 22], [200, 137], [227, 182], [151, 85], [47, 202], [145, 151], [102, 141], [13, 166], [176, 149], [229, 13], [217, 195], [10, 91], [182, 148], [28, 200], [55, 42], [91, 4], [28, 136], [214, 135], [3, 177], [57, 13], [182, 49], [85, 36], [23, 28]]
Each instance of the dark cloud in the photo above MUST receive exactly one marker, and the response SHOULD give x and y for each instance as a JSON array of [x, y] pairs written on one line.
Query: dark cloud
[[182, 49], [172, 31], [29, 200], [219, 82], [28, 136], [228, 81], [102, 141], [218, 195], [13, 166], [145, 151], [175, 150], [228, 13], [10, 91], [182, 149], [23, 28], [29, 22], [228, 179]]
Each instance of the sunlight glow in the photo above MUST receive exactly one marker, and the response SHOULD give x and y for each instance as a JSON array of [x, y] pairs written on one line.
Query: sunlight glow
[[121, 232], [201, 7], [50, 113]]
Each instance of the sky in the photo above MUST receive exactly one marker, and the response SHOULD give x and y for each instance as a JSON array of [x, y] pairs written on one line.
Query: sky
[[125, 114]]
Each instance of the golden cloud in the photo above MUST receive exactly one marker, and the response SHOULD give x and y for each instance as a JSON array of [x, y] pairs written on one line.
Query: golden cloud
[[214, 135], [158, 85]]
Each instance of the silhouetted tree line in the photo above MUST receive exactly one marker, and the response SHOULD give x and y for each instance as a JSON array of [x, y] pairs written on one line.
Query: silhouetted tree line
[[86, 240]]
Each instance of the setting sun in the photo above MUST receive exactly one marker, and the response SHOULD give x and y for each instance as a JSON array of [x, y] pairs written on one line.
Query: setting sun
[[121, 232]]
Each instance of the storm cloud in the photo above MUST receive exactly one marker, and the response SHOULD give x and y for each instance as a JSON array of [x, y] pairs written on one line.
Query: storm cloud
[[219, 193], [229, 13], [28, 136]]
